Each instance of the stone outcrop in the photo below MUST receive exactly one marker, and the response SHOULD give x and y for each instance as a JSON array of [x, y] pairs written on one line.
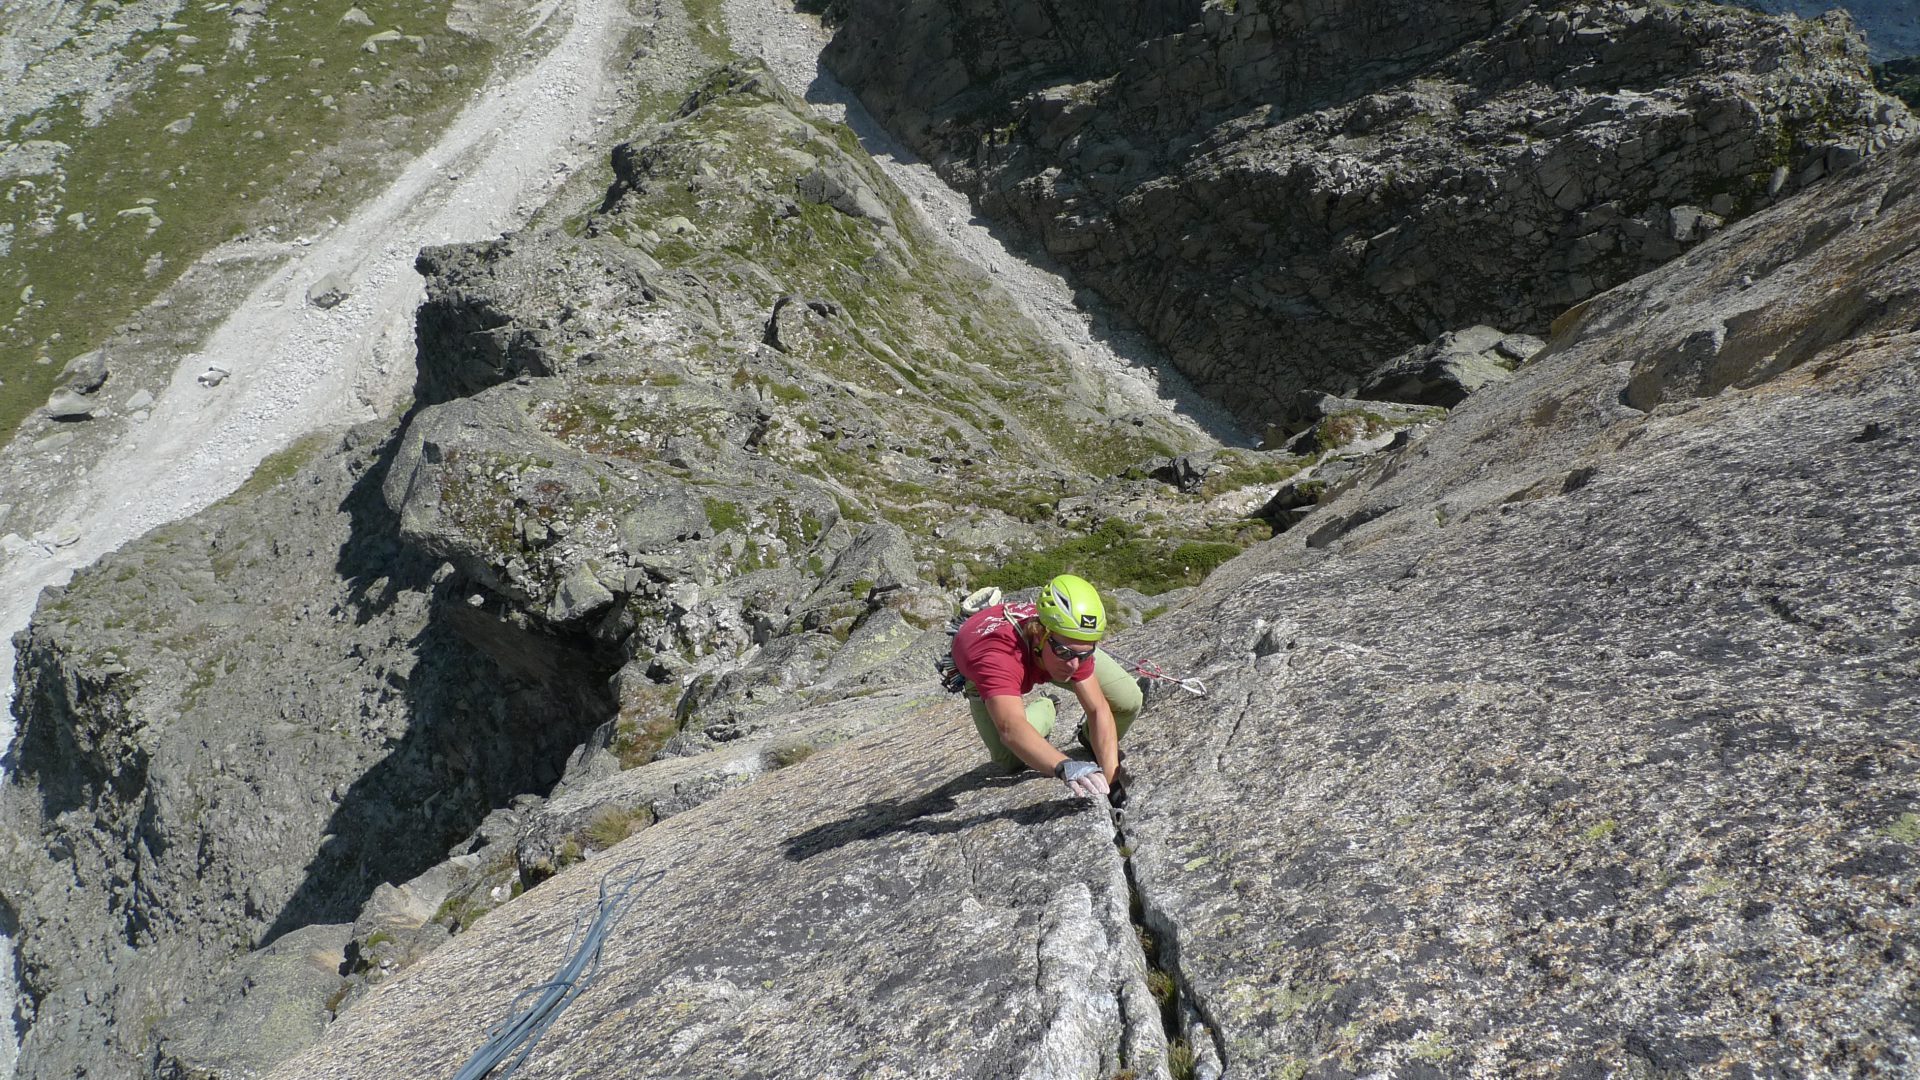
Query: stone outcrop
[[1287, 195], [1580, 744], [1447, 370], [1590, 699], [619, 527], [238, 727]]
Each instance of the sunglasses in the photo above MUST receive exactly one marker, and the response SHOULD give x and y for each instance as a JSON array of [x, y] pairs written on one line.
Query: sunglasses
[[1069, 655]]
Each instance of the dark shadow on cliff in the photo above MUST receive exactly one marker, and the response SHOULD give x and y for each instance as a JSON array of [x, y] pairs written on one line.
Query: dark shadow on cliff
[[1106, 324], [922, 814], [14, 1018], [494, 707]]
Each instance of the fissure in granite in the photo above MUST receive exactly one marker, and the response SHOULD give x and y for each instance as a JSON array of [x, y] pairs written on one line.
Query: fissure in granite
[[1182, 1016]]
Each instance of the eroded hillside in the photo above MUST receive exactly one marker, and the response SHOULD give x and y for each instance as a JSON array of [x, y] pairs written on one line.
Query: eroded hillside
[[1562, 733], [1582, 744], [1285, 196]]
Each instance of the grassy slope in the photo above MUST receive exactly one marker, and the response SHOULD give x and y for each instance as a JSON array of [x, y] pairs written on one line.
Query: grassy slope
[[297, 125]]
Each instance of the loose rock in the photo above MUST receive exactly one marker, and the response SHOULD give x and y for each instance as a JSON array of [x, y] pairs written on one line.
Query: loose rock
[[330, 291]]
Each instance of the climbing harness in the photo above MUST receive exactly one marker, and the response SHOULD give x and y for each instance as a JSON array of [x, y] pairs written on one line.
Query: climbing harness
[[951, 680], [527, 1025]]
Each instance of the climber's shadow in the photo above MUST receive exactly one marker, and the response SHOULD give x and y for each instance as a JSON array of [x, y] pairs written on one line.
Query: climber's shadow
[[925, 814]]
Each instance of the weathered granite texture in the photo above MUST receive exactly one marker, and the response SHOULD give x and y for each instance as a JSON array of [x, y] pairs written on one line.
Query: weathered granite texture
[[942, 921], [1587, 747], [237, 727], [1287, 194], [1577, 739], [722, 451]]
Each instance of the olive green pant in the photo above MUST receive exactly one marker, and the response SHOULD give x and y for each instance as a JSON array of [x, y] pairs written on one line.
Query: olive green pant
[[1122, 692]]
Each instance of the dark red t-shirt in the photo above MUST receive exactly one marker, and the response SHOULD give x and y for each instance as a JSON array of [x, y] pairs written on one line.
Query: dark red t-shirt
[[990, 651]]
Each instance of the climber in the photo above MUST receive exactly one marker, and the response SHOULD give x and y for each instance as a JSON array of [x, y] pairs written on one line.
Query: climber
[[1005, 650]]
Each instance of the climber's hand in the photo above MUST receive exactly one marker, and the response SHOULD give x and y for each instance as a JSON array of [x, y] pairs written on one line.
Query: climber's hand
[[1083, 778]]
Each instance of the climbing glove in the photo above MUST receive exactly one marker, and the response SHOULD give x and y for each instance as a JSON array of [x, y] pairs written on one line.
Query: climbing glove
[[1083, 778]]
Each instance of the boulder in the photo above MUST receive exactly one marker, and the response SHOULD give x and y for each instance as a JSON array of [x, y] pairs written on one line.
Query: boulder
[[66, 404], [330, 291], [86, 373], [1186, 472], [841, 187], [1453, 366], [579, 596]]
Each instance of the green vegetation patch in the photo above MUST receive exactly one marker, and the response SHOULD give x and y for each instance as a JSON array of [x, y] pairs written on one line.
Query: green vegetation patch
[[1901, 78], [1117, 555], [1905, 829], [643, 729], [281, 465], [615, 824], [274, 136], [724, 516]]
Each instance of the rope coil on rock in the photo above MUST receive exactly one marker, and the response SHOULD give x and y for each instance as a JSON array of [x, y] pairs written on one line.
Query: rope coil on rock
[[523, 1028]]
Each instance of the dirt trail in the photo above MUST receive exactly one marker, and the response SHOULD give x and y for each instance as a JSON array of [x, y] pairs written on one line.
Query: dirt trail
[[295, 368]]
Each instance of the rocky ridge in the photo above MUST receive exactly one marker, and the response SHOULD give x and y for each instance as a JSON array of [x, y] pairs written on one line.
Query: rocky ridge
[[1583, 746], [715, 498], [1366, 176], [677, 471]]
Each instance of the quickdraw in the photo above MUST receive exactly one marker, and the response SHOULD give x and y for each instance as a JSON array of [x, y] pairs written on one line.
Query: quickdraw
[[1147, 669]]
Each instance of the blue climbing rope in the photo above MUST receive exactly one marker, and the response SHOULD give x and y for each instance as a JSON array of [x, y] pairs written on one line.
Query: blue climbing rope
[[528, 1022]]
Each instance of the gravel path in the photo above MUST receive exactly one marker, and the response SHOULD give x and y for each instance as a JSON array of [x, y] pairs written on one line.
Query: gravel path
[[295, 368]]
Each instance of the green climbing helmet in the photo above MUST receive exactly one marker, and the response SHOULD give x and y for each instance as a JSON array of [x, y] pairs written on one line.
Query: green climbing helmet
[[1070, 607]]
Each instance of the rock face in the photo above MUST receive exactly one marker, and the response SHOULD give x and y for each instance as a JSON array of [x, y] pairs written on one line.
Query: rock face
[[1567, 733], [620, 526], [236, 728], [1286, 195], [1580, 744], [994, 913]]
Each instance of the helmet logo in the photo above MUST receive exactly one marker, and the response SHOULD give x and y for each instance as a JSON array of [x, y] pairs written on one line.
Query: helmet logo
[[1089, 622]]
